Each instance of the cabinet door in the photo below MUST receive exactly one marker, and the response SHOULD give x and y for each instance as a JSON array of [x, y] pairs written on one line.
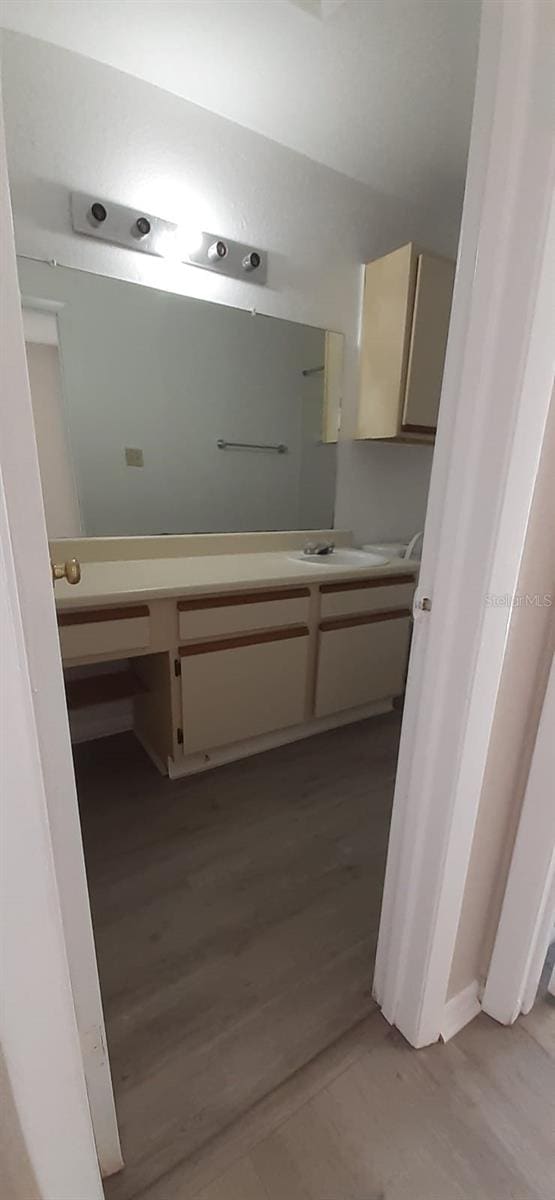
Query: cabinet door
[[430, 326], [362, 661], [386, 324], [242, 687]]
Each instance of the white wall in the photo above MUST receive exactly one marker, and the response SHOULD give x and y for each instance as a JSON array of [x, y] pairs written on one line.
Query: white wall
[[74, 124]]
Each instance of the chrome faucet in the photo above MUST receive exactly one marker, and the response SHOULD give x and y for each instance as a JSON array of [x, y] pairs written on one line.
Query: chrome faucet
[[319, 548]]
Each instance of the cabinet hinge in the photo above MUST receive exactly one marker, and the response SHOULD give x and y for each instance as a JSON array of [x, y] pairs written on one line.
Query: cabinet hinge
[[177, 667], [180, 737]]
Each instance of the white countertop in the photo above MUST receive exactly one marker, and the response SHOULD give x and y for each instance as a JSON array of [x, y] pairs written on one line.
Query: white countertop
[[132, 581]]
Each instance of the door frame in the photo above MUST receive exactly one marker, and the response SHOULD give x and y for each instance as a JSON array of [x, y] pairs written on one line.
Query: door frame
[[495, 400], [528, 912], [23, 527]]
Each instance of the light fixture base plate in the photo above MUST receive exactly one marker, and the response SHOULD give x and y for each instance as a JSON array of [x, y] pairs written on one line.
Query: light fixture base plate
[[120, 221]]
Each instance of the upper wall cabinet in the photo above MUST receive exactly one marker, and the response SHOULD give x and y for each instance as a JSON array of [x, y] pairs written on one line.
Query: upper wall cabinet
[[405, 321]]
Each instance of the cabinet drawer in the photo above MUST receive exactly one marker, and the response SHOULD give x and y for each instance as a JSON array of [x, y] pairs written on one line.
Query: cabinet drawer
[[361, 662], [214, 616], [103, 630], [366, 595], [242, 687]]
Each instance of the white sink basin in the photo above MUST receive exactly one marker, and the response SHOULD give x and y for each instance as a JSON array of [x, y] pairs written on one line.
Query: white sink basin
[[352, 559]]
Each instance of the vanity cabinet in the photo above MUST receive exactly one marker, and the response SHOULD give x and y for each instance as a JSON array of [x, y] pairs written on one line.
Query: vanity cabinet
[[405, 322], [214, 676], [361, 659], [241, 687]]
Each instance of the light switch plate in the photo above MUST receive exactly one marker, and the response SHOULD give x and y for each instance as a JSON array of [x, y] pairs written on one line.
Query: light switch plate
[[134, 457]]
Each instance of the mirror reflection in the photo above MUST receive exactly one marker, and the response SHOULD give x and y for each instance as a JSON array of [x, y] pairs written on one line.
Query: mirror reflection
[[157, 413]]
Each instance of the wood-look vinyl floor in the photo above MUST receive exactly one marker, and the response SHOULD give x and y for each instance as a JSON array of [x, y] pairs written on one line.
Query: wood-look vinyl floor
[[473, 1120], [235, 918]]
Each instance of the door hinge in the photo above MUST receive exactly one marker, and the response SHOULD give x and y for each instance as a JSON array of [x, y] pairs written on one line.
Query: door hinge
[[180, 737], [177, 667]]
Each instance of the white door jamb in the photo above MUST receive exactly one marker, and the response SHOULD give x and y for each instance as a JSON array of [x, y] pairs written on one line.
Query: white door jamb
[[528, 909], [495, 400], [41, 667]]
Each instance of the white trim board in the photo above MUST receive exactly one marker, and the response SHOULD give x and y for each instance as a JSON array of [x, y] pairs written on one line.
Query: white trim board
[[526, 923], [551, 984], [67, 1167], [100, 720], [42, 1042], [459, 1010], [495, 399]]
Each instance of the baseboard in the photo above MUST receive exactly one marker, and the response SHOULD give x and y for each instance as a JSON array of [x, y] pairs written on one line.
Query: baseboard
[[551, 983], [459, 1010], [100, 720], [103, 720], [193, 764]]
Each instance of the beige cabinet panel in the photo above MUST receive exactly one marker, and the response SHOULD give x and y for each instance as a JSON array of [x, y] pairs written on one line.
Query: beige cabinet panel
[[360, 663], [239, 690], [430, 326], [333, 386], [386, 323], [221, 615], [345, 601], [405, 321], [103, 631]]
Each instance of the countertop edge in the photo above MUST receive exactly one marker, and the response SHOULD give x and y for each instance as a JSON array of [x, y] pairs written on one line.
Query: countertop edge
[[305, 576]]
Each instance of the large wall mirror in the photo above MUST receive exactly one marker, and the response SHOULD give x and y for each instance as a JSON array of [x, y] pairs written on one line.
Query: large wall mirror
[[139, 395]]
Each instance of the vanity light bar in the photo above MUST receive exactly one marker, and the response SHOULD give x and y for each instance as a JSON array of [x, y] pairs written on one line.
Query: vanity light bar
[[149, 234]]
